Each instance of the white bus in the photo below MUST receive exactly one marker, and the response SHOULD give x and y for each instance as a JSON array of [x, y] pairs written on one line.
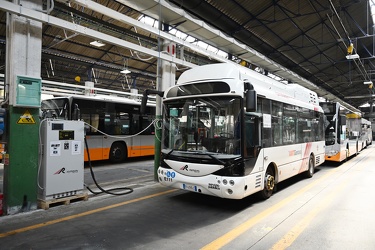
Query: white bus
[[112, 122], [231, 132], [342, 132]]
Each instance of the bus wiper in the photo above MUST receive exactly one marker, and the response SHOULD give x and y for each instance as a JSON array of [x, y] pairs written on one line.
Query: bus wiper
[[217, 159], [169, 153]]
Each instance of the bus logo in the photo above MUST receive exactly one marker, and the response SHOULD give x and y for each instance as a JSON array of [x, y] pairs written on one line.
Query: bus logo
[[185, 168]]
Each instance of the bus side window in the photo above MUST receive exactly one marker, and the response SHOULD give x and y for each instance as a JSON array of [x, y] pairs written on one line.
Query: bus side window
[[92, 120], [123, 123]]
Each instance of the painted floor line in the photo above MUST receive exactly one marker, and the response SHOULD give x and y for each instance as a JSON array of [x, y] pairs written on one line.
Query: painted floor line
[[288, 239], [234, 233], [51, 222]]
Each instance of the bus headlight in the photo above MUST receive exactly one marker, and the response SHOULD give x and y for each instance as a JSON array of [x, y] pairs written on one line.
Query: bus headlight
[[231, 182], [225, 182], [230, 191]]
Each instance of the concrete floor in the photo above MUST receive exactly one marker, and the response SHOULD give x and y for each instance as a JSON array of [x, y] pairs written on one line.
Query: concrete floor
[[332, 210]]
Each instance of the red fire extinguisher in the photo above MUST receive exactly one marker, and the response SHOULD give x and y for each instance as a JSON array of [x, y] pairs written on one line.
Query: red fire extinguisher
[[1, 204]]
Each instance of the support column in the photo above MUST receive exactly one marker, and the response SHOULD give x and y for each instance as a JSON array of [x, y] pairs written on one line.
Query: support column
[[166, 77], [23, 58]]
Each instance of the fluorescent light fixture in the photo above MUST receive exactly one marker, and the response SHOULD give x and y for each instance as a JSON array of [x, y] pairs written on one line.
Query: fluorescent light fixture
[[369, 82], [355, 56], [125, 71], [97, 43]]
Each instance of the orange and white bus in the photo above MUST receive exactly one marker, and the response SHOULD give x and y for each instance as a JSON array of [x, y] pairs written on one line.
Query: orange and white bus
[[342, 132], [115, 129]]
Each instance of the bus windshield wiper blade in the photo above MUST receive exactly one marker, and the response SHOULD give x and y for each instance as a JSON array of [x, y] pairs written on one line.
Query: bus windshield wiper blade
[[216, 159]]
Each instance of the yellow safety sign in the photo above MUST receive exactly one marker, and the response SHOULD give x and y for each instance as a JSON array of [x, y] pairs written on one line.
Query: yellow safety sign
[[26, 118]]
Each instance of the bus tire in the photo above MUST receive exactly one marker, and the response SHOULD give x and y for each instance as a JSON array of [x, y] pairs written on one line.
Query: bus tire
[[311, 168], [269, 183], [117, 152]]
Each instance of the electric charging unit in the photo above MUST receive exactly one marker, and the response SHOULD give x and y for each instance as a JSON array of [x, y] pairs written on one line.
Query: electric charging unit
[[61, 173]]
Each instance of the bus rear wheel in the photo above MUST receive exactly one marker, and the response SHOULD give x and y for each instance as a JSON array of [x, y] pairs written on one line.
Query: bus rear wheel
[[117, 152], [269, 184], [311, 168]]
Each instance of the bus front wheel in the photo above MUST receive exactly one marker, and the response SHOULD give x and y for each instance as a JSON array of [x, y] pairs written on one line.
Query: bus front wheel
[[117, 152], [269, 184]]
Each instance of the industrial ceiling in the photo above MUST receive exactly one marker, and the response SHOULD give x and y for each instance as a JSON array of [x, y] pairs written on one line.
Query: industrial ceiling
[[302, 41]]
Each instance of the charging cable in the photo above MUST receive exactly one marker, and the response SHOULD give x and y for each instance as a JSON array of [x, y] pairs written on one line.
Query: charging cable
[[108, 191]]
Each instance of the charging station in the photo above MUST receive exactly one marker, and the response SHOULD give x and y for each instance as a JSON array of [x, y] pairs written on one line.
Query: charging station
[[61, 172]]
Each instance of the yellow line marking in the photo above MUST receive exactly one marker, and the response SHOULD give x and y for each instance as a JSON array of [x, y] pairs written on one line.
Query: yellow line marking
[[234, 233], [288, 239], [51, 222]]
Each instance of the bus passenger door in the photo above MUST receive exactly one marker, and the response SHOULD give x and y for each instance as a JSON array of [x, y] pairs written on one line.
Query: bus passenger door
[[93, 137], [252, 141], [143, 143]]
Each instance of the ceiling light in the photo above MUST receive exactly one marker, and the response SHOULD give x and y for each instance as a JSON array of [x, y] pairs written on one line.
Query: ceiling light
[[125, 71], [355, 56], [97, 43], [369, 82]]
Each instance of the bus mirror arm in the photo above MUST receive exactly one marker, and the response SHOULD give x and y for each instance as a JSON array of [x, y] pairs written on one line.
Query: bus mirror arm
[[145, 97], [251, 97]]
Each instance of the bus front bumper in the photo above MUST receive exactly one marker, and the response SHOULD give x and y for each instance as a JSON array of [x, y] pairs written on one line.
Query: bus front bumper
[[221, 186]]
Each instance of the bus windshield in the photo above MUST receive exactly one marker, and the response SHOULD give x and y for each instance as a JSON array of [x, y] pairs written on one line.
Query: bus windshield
[[205, 124], [57, 108], [330, 122]]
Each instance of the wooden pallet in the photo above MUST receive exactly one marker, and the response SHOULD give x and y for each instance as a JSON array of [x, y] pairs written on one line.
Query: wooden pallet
[[45, 204]]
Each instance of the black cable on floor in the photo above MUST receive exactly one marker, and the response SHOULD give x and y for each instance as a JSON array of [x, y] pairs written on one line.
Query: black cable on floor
[[129, 190]]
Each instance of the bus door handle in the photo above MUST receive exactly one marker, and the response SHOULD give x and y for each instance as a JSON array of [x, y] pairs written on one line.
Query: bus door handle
[[105, 137], [265, 158]]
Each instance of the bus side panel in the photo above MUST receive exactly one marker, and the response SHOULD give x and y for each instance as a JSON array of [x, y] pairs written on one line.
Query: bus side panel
[[352, 147], [293, 159], [287, 159], [95, 144], [96, 154], [142, 145]]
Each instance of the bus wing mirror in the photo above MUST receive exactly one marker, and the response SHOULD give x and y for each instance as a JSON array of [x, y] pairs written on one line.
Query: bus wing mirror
[[343, 119], [251, 97], [145, 97]]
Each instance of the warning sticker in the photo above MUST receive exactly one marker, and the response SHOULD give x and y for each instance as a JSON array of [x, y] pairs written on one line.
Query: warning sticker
[[26, 118], [55, 148]]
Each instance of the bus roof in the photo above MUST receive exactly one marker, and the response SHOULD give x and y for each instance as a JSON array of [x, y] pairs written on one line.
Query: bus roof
[[265, 86]]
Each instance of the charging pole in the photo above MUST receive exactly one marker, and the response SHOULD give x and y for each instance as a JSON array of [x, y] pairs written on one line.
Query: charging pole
[[22, 100]]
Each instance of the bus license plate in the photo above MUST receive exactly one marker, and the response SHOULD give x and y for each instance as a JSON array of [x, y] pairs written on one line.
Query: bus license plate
[[190, 187]]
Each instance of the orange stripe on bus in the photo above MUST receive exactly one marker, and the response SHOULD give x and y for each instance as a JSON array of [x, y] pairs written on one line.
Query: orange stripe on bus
[[97, 154]]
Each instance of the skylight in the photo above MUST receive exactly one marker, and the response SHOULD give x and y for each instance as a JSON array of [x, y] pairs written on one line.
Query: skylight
[[183, 36]]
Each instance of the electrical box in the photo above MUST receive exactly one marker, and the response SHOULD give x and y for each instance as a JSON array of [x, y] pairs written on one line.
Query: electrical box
[[28, 92], [62, 167]]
